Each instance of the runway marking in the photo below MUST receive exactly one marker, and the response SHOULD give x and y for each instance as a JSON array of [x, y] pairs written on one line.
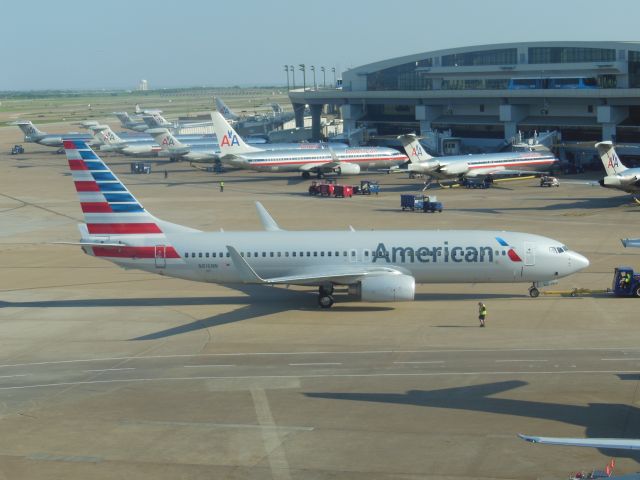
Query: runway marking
[[357, 352], [620, 359], [202, 366], [270, 437], [431, 361], [11, 376], [313, 364], [109, 369], [326, 375], [518, 360]]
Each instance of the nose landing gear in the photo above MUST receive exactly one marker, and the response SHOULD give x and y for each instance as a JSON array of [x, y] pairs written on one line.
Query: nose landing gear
[[533, 291]]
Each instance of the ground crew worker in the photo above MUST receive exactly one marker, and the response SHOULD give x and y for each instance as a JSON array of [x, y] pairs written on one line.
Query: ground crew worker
[[166, 174], [482, 313], [221, 186], [626, 281]]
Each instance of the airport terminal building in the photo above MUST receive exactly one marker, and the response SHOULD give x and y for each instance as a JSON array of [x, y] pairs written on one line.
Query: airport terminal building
[[589, 91]]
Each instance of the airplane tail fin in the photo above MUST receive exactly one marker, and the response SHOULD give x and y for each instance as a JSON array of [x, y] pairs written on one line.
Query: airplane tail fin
[[224, 110], [29, 129], [167, 141], [110, 210], [155, 120], [229, 142], [124, 118], [414, 150], [104, 135], [610, 159]]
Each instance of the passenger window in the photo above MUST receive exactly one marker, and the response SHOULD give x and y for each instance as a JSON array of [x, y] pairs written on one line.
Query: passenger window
[[294, 254], [328, 254], [315, 254], [308, 254], [337, 254], [302, 254], [344, 254], [206, 254], [322, 254], [227, 255], [242, 254], [366, 253], [213, 254], [286, 254], [200, 254], [264, 254], [255, 254], [279, 254], [249, 254], [271, 254]]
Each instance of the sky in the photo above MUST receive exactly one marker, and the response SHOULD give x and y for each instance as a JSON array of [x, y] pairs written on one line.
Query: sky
[[71, 44]]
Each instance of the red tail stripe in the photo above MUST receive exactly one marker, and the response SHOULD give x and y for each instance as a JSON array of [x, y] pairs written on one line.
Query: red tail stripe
[[77, 165], [123, 228], [87, 186], [95, 207], [133, 252]]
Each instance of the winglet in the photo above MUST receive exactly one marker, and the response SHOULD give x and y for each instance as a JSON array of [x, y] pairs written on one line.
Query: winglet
[[267, 220], [247, 273]]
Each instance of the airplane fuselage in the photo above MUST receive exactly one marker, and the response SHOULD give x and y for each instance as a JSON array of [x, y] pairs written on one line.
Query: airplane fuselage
[[429, 256]]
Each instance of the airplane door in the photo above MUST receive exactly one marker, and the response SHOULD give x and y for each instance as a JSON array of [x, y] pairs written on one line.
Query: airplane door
[[529, 253], [160, 256]]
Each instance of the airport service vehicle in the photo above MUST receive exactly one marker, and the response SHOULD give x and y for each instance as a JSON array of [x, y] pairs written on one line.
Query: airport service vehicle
[[485, 182], [140, 167], [488, 165], [549, 181], [33, 135], [346, 161], [420, 202], [375, 266], [618, 176], [620, 289], [367, 187], [17, 150], [631, 242]]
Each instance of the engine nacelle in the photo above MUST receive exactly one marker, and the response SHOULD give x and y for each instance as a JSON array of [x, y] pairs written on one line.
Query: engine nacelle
[[423, 167], [457, 168], [348, 169], [385, 288]]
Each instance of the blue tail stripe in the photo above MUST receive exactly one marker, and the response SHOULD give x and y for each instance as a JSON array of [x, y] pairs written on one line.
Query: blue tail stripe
[[87, 154], [111, 187], [103, 176], [119, 197], [95, 165], [126, 207]]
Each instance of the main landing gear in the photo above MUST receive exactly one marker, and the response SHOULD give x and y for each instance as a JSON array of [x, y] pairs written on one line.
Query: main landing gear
[[325, 296]]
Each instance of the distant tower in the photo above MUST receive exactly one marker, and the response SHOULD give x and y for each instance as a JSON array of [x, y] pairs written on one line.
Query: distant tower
[[143, 86]]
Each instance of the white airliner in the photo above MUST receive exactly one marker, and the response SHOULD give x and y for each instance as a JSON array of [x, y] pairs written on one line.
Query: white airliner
[[346, 161], [377, 266], [613, 443], [485, 164], [618, 176]]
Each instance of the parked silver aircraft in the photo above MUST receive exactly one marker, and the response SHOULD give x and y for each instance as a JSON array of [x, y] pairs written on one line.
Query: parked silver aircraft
[[486, 164], [226, 112], [631, 242], [618, 176], [377, 266], [210, 151], [614, 443], [33, 135], [347, 161], [129, 123], [255, 124]]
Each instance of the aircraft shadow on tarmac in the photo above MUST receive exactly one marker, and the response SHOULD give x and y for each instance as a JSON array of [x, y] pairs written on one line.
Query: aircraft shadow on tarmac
[[260, 302], [600, 420], [575, 203]]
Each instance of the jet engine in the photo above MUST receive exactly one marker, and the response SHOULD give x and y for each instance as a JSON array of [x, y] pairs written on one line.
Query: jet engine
[[385, 288], [456, 168], [348, 169], [618, 180]]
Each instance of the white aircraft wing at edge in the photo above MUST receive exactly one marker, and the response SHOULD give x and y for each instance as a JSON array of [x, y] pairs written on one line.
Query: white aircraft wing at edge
[[616, 443]]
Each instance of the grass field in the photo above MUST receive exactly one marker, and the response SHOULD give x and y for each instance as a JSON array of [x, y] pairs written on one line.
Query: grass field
[[78, 106]]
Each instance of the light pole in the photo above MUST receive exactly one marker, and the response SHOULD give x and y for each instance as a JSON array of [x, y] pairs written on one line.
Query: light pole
[[286, 69], [313, 69], [324, 77], [293, 75], [333, 69], [303, 67]]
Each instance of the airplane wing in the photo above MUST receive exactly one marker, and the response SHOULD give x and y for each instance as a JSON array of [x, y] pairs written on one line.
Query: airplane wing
[[345, 276], [616, 443], [631, 242]]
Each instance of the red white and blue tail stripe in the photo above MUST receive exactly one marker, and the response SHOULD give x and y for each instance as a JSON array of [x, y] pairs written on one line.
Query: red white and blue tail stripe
[[117, 225]]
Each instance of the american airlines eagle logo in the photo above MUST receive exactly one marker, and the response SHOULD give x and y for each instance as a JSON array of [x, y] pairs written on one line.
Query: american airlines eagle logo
[[229, 139], [513, 256]]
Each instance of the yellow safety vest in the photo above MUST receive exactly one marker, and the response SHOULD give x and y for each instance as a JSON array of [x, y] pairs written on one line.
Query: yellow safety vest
[[483, 311]]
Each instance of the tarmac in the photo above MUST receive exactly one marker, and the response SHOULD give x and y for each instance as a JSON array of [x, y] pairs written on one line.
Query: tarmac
[[107, 373]]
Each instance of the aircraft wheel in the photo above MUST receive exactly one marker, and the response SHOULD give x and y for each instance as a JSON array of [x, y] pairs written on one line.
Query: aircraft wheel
[[325, 301], [534, 292], [636, 292], [306, 175]]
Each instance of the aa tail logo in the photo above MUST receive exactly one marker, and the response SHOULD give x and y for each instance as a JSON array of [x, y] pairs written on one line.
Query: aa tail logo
[[614, 161], [230, 139], [168, 142], [416, 151]]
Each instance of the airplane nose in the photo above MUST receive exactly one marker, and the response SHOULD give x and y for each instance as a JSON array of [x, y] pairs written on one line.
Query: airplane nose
[[579, 262]]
